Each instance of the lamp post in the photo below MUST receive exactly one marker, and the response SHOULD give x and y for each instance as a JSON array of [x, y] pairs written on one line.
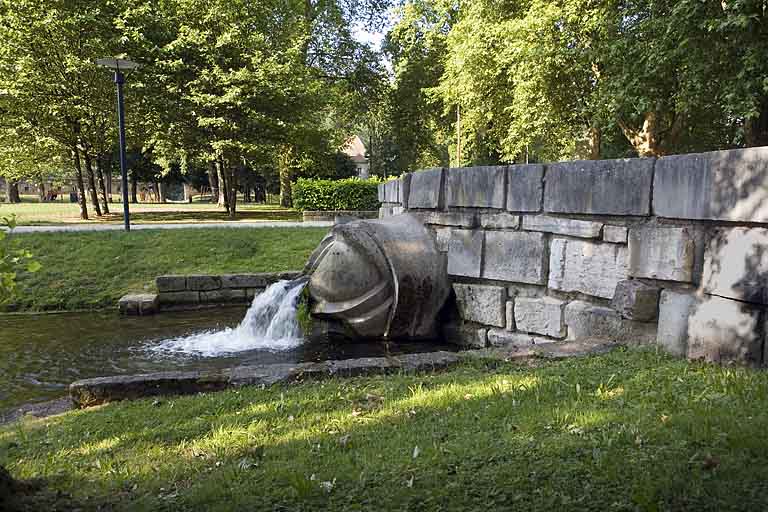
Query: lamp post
[[120, 65]]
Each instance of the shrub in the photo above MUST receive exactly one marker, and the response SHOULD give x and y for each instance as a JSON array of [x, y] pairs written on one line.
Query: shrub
[[329, 195]]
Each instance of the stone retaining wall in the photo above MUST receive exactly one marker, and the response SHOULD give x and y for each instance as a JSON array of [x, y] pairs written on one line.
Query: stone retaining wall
[[338, 215], [671, 251]]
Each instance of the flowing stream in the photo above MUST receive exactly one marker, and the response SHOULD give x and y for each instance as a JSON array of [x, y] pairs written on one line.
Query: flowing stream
[[269, 324]]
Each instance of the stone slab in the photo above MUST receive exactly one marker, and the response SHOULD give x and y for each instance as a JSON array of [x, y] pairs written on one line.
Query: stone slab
[[726, 331], [736, 264], [465, 335], [138, 304], [171, 298], [381, 195], [223, 295], [720, 185], [540, 316], [392, 191], [458, 219], [510, 315], [603, 187], [674, 310], [661, 253], [515, 256], [465, 253], [586, 267], [499, 221], [171, 283], [615, 234], [483, 304], [203, 283], [426, 189], [443, 238], [525, 187], [503, 338], [561, 226], [635, 300], [476, 187], [586, 321]]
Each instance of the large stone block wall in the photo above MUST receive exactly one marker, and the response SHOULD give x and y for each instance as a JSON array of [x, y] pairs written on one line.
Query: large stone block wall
[[672, 251]]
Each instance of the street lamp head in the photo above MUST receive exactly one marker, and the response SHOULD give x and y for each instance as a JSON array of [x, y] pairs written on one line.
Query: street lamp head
[[117, 64]]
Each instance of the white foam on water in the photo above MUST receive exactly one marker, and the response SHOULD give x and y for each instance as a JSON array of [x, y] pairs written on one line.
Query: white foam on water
[[270, 324]]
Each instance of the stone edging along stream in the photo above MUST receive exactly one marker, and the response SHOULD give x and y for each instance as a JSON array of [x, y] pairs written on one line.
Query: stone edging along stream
[[89, 392]]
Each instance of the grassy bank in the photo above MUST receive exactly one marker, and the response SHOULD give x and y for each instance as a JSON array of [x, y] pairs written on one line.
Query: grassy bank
[[632, 430], [93, 270], [36, 213]]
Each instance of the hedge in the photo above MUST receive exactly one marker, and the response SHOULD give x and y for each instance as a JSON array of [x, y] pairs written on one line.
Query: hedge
[[329, 195]]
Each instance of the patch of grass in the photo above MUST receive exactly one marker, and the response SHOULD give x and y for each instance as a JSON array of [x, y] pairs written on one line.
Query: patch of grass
[[632, 430], [36, 213], [93, 270]]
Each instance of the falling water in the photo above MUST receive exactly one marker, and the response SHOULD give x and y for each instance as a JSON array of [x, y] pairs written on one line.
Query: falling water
[[269, 324]]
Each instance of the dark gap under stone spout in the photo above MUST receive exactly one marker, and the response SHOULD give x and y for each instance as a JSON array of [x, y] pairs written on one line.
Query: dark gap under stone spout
[[379, 278]]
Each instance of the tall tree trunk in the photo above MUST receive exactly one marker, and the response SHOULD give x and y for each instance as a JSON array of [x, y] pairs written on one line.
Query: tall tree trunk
[[80, 184], [134, 189], [187, 192], [91, 183], [13, 192], [284, 163], [213, 181], [108, 176], [756, 128], [102, 186], [232, 182], [654, 139], [41, 190], [223, 199], [160, 192]]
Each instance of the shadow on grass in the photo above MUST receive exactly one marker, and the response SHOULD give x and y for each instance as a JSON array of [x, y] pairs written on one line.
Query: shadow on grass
[[624, 431]]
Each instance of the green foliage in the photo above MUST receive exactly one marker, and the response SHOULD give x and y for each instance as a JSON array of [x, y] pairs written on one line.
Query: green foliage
[[330, 195], [13, 260], [303, 314], [630, 430]]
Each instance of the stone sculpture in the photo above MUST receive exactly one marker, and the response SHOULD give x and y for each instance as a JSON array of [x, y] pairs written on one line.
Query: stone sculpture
[[380, 278]]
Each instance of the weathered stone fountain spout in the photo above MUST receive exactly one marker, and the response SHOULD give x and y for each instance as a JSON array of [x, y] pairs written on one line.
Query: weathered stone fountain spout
[[380, 278]]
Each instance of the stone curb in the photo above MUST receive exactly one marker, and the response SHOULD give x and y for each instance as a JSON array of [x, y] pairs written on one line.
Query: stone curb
[[90, 392]]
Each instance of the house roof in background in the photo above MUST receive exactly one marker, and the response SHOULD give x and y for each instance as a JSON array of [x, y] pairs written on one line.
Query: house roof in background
[[355, 149]]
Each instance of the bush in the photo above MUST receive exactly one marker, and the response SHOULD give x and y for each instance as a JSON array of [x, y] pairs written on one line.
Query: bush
[[329, 195]]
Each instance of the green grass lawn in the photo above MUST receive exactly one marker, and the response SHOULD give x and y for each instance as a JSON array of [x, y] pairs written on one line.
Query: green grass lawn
[[93, 270], [631, 430], [36, 213]]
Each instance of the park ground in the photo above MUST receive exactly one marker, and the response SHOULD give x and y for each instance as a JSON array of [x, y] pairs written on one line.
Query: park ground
[[630, 430], [31, 212], [93, 270]]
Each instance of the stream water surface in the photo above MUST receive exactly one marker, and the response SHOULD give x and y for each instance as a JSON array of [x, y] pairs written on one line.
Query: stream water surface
[[40, 355]]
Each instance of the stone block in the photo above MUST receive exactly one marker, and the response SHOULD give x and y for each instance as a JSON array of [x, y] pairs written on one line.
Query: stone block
[[586, 267], [426, 189], [602, 187], [405, 190], [499, 221], [482, 304], [462, 220], [128, 305], [615, 234], [736, 264], [721, 185], [477, 187], [525, 186], [443, 238], [173, 298], [726, 331], [510, 315], [203, 283], [502, 338], [674, 310], [223, 296], [171, 283], [561, 226], [287, 275], [515, 256], [385, 211], [635, 300], [465, 335], [245, 280], [250, 293], [586, 321], [661, 253], [540, 316], [465, 253], [392, 191], [381, 193]]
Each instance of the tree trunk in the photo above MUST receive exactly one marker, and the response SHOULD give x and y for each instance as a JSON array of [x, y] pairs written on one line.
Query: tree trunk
[[91, 183], [286, 198], [232, 182], [213, 181], [41, 190], [160, 192], [80, 185], [134, 189], [108, 175], [756, 128], [188, 192], [651, 139], [102, 186], [222, 200]]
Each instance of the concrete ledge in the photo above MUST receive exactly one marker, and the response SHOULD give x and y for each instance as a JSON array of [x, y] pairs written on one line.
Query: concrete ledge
[[88, 392]]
